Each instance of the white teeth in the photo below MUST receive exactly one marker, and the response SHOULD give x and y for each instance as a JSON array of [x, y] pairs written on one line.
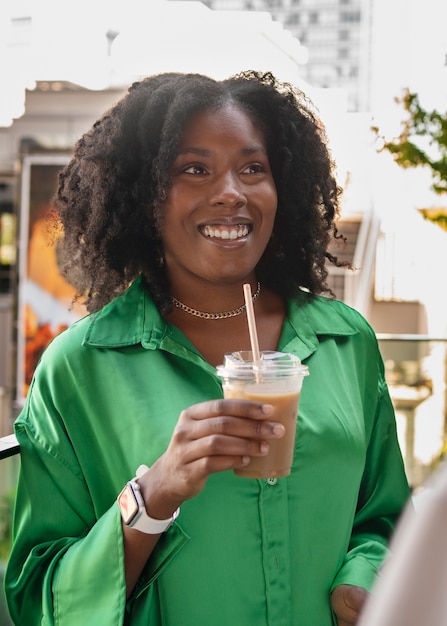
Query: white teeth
[[224, 233]]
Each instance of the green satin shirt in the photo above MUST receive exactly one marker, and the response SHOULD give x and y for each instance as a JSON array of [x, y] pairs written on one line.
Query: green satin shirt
[[105, 398]]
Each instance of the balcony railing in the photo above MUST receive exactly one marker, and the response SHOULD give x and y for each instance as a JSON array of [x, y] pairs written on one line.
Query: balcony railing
[[9, 446], [416, 372]]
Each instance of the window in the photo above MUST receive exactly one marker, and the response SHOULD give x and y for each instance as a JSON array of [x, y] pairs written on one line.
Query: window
[[293, 19], [7, 234], [350, 16]]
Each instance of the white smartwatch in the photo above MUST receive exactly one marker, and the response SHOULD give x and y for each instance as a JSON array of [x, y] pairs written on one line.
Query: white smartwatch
[[133, 509]]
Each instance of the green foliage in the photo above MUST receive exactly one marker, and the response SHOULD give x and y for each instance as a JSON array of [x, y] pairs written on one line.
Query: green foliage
[[6, 513], [437, 216], [422, 141], [5, 619], [441, 220]]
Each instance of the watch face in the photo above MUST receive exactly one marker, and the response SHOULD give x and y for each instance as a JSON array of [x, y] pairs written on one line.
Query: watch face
[[128, 504]]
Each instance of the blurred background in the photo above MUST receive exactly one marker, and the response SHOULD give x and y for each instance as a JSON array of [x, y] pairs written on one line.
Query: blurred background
[[63, 64]]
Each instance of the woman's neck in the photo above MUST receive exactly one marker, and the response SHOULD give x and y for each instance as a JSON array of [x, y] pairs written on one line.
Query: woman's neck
[[215, 337]]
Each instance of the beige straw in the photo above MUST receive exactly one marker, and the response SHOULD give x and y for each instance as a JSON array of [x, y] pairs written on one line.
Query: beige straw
[[251, 323]]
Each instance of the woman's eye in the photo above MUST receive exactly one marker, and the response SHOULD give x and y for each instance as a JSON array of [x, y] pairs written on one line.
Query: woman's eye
[[254, 168], [194, 169]]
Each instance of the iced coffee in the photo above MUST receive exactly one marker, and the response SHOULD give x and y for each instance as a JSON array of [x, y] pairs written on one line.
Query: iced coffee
[[275, 379]]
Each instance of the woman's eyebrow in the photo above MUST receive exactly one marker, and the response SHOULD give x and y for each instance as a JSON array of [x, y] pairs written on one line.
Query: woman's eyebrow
[[204, 152], [253, 150], [198, 151]]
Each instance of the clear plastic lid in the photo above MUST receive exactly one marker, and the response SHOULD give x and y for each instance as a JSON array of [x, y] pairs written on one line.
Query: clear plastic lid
[[272, 363]]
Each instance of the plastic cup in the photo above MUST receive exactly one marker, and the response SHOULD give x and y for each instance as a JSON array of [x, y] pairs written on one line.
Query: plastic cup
[[275, 379]]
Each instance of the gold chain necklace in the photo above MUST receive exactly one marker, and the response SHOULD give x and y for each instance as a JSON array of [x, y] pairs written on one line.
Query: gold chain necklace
[[215, 316]]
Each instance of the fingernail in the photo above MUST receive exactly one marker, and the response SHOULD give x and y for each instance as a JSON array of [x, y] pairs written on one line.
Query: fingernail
[[267, 409], [278, 429], [263, 447]]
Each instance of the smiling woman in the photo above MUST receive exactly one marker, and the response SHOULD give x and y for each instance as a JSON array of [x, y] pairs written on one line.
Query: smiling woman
[[220, 209], [131, 158], [187, 190]]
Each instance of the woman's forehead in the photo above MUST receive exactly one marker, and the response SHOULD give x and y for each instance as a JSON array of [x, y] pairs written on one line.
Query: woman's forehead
[[226, 118]]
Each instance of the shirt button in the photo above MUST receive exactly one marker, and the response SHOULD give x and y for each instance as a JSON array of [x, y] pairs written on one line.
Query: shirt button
[[272, 481]]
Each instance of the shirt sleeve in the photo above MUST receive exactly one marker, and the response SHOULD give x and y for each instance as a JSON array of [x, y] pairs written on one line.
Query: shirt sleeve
[[67, 561], [383, 494], [56, 530]]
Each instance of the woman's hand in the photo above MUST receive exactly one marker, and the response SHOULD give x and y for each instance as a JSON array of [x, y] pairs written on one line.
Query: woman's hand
[[347, 602], [209, 437]]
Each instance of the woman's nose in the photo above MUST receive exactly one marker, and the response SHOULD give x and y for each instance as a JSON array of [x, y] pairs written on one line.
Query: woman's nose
[[228, 191]]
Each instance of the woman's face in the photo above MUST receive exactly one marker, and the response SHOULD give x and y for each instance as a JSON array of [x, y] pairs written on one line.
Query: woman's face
[[219, 213]]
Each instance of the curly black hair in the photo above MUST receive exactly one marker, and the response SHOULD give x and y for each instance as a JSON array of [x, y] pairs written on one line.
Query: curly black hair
[[110, 194]]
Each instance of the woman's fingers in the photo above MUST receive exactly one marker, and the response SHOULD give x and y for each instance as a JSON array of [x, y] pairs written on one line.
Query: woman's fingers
[[225, 428], [217, 445], [238, 418], [215, 436], [235, 407]]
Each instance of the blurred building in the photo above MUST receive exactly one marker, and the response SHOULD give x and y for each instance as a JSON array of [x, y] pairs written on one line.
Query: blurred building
[[337, 34]]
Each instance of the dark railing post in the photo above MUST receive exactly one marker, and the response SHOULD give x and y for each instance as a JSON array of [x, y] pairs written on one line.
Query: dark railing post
[[9, 446]]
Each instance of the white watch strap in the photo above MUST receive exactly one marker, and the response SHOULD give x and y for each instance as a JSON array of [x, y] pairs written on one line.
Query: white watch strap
[[142, 469], [144, 523]]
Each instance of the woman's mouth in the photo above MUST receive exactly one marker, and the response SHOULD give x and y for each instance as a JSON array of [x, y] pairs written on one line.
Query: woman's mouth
[[236, 231]]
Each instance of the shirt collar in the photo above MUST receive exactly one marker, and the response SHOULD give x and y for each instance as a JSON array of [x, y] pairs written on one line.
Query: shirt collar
[[133, 318], [309, 319]]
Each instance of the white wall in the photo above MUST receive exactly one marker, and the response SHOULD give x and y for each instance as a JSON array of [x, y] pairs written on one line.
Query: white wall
[[56, 120]]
